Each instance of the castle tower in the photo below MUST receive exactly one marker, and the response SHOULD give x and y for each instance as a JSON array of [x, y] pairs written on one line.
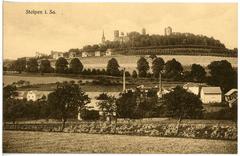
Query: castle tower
[[103, 38], [143, 31], [116, 35], [168, 31]]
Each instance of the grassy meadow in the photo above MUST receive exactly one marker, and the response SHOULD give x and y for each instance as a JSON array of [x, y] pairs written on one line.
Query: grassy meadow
[[50, 142], [130, 62]]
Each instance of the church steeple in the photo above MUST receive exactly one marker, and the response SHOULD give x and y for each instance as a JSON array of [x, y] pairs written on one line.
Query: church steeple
[[103, 38]]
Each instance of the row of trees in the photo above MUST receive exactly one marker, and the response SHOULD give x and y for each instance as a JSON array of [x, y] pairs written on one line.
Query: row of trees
[[32, 66], [221, 72]]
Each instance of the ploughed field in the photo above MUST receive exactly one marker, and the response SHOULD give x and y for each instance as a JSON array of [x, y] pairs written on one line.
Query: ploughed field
[[50, 142]]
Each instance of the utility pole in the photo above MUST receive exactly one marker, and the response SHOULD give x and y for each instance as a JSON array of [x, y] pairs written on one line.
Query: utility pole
[[124, 86]]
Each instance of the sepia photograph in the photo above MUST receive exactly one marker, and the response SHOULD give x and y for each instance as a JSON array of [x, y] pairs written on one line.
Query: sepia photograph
[[120, 78]]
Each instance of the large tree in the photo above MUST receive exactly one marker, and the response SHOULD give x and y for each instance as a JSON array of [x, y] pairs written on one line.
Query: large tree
[[76, 66], [32, 65], [134, 74], [157, 66], [223, 75], [182, 104], [143, 67], [19, 65], [45, 66], [113, 67], [173, 69], [9, 92], [126, 105], [61, 65], [107, 105], [198, 73], [66, 99]]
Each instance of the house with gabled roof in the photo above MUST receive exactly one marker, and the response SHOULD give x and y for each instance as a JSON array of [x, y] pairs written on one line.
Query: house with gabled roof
[[211, 95], [231, 97]]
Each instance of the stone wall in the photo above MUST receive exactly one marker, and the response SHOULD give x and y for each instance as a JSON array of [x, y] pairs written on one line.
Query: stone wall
[[204, 131]]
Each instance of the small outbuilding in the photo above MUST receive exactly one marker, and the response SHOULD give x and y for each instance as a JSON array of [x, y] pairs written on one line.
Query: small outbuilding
[[192, 87], [211, 95], [231, 97]]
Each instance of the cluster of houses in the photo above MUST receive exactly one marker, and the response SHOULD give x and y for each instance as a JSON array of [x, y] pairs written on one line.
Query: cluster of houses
[[210, 94], [74, 54], [207, 94]]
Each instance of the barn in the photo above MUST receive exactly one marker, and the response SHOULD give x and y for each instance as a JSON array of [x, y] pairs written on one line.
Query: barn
[[211, 95]]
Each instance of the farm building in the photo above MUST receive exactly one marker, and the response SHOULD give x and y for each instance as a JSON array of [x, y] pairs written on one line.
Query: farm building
[[36, 95], [109, 52], [194, 87], [84, 54], [231, 97], [211, 95]]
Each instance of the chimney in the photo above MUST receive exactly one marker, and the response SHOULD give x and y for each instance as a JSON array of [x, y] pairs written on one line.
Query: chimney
[[160, 85], [124, 85]]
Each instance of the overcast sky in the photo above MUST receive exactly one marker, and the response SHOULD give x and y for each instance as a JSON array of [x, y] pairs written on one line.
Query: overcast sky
[[76, 24]]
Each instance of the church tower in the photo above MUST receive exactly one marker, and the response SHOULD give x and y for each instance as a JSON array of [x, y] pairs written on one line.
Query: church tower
[[103, 38]]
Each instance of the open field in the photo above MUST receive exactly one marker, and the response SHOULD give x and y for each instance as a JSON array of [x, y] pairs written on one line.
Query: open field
[[45, 142], [130, 62], [46, 83], [9, 79]]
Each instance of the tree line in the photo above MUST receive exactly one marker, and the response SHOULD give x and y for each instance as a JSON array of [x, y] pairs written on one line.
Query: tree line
[[221, 72]]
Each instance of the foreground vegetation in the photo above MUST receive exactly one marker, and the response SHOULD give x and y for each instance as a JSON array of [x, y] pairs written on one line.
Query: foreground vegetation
[[40, 142]]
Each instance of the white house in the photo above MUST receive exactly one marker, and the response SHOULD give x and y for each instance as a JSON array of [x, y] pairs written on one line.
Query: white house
[[211, 95], [109, 52], [231, 97], [192, 87], [97, 53], [84, 54], [36, 95]]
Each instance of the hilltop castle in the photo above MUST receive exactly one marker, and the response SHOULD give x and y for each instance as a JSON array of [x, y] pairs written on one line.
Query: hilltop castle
[[120, 37]]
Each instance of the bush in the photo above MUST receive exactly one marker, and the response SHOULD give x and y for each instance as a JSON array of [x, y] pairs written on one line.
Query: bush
[[89, 115]]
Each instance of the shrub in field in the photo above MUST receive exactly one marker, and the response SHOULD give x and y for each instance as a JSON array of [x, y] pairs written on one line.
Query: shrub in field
[[134, 74], [76, 66], [113, 67], [61, 65], [89, 114], [142, 67]]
